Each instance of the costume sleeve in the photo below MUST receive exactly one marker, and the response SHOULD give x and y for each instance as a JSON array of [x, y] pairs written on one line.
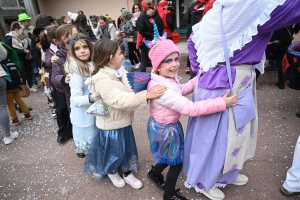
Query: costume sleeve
[[284, 15], [3, 52], [48, 59], [188, 87], [119, 99], [183, 105], [58, 76], [78, 99], [193, 55]]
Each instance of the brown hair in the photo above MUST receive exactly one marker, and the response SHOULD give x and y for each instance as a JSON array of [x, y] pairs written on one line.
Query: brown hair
[[38, 18], [150, 11], [46, 38], [103, 18], [81, 22], [15, 26], [103, 49], [120, 34], [80, 12], [63, 32], [82, 65]]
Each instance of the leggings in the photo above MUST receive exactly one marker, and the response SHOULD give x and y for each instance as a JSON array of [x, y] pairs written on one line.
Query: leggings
[[172, 175], [144, 58], [4, 119]]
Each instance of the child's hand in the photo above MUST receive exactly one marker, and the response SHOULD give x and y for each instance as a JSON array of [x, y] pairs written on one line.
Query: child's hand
[[96, 96], [67, 79], [156, 92], [54, 58], [230, 101]]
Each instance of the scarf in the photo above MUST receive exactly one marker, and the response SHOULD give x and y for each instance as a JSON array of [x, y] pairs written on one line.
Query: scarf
[[104, 32], [240, 19], [18, 42]]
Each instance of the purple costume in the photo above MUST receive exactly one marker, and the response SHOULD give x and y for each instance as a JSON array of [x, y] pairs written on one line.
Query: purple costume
[[206, 140]]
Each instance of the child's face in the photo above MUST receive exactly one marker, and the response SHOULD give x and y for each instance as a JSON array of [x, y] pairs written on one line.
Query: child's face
[[82, 50], [116, 60], [169, 66]]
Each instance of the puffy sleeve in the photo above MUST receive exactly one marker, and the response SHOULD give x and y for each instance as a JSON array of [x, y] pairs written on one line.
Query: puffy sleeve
[[78, 99], [119, 99], [183, 105]]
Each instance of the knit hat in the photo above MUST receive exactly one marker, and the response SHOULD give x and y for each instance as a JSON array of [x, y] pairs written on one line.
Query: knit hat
[[73, 16], [161, 50], [23, 16]]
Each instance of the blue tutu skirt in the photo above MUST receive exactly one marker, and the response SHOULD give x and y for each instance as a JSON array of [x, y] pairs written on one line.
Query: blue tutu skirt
[[110, 151], [166, 142]]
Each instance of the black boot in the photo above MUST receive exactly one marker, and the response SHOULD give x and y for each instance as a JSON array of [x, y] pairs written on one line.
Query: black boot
[[175, 195], [156, 178]]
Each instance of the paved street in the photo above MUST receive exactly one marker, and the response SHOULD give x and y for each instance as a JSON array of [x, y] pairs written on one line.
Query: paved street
[[36, 167]]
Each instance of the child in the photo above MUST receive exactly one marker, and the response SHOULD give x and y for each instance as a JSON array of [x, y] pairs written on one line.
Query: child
[[164, 128], [13, 80], [61, 81], [80, 67], [49, 44], [123, 43], [114, 146]]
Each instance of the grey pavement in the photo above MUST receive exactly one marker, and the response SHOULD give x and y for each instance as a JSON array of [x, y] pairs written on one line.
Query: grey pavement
[[36, 167]]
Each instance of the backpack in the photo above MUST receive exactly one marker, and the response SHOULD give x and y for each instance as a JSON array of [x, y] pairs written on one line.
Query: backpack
[[13, 79], [127, 28], [194, 14]]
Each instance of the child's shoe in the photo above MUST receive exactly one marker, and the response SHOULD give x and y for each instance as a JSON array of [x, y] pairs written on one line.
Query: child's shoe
[[133, 181], [156, 178], [136, 66], [28, 117], [214, 193], [12, 137], [54, 115], [15, 122], [116, 180], [175, 195]]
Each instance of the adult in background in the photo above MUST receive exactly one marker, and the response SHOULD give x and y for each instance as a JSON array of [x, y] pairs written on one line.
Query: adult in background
[[16, 40], [105, 30], [128, 29], [25, 23], [166, 16], [9, 137], [145, 29], [83, 27], [62, 20]]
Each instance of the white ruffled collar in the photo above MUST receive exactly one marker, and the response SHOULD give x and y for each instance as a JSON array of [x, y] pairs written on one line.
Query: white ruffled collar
[[240, 17]]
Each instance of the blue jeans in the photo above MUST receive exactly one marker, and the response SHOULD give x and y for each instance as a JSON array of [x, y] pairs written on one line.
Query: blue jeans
[[33, 67]]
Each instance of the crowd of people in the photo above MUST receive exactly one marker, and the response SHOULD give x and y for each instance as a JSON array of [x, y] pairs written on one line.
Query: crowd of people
[[82, 65]]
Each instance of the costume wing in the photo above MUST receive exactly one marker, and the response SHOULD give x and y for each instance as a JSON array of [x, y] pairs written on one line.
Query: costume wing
[[138, 81]]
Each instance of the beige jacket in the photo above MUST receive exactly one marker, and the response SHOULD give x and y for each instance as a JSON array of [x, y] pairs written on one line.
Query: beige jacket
[[119, 99]]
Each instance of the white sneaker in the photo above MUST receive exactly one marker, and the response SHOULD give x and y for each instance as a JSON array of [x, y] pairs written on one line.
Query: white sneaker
[[36, 86], [54, 115], [136, 66], [133, 181], [241, 180], [12, 137], [32, 89], [214, 194], [116, 180]]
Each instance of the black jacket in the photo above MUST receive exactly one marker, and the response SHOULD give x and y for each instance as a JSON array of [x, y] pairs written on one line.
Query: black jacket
[[88, 32], [13, 73], [145, 27]]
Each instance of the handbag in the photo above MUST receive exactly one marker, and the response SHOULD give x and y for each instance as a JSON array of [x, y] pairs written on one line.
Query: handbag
[[24, 91], [97, 108]]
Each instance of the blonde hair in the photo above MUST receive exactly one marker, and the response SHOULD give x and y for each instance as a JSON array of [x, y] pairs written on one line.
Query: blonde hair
[[150, 11], [63, 32]]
